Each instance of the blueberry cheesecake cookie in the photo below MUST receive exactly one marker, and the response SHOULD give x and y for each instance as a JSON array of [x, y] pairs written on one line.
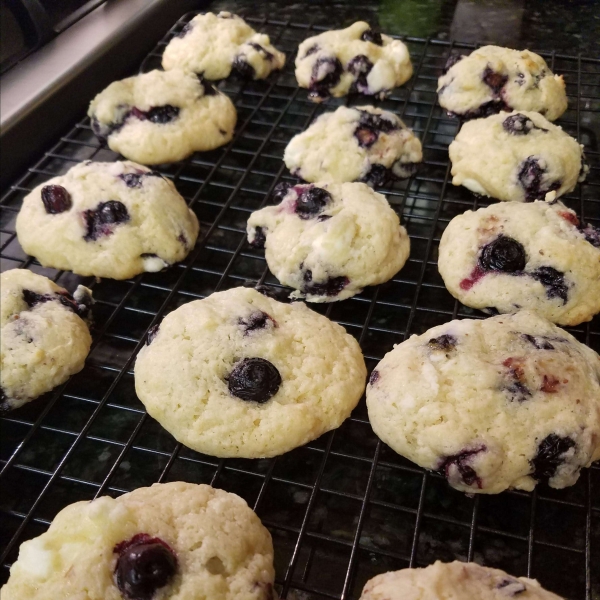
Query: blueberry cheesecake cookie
[[162, 116], [107, 219], [455, 581], [171, 541], [329, 241], [492, 79], [505, 402], [537, 256], [354, 144], [519, 156], [239, 374], [214, 45], [353, 60], [44, 338]]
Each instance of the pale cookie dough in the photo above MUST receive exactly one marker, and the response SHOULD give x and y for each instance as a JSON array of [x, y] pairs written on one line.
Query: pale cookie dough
[[171, 541], [214, 45], [453, 581], [492, 79], [44, 338], [329, 241], [356, 59], [240, 374], [519, 156], [510, 256], [162, 116], [354, 144], [107, 219], [492, 404]]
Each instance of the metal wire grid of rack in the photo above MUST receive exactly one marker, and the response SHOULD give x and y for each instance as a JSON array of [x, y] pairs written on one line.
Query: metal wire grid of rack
[[345, 507]]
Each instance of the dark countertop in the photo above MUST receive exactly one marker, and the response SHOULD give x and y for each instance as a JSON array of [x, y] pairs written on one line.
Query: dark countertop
[[567, 27]]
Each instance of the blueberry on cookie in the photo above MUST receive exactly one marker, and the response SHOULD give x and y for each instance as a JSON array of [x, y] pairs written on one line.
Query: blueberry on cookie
[[239, 374], [330, 240]]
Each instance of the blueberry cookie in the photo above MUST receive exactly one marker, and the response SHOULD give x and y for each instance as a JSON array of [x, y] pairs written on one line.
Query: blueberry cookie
[[455, 581], [492, 79], [330, 240], [536, 256], [354, 144], [240, 374], [171, 541], [214, 45], [519, 156], [107, 219], [162, 116], [491, 404], [356, 60], [45, 337]]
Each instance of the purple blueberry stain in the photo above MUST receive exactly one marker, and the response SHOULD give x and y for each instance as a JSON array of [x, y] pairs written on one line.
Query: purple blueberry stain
[[256, 321], [374, 377], [486, 109], [254, 380], [314, 48], [311, 202], [591, 234], [326, 73], [530, 176], [550, 456], [259, 238], [553, 281], [372, 36], [460, 462], [56, 199], [518, 392], [102, 221], [145, 564], [152, 333], [538, 341], [503, 254], [331, 287]]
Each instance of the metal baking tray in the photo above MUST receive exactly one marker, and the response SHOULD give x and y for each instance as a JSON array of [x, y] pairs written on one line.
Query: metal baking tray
[[345, 507]]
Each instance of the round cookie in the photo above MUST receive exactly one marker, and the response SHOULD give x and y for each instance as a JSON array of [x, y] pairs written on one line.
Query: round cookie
[[240, 374], [455, 581], [517, 157], [354, 144], [107, 219], [44, 338], [356, 60], [492, 79], [329, 241], [162, 116], [492, 404], [214, 45], [536, 256], [171, 541]]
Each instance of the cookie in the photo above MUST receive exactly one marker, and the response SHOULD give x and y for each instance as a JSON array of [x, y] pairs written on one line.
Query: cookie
[[214, 45], [107, 219], [354, 144], [536, 256], [239, 374], [456, 581], [329, 241], [162, 116], [171, 541], [44, 338], [353, 60], [492, 79], [519, 156], [492, 404]]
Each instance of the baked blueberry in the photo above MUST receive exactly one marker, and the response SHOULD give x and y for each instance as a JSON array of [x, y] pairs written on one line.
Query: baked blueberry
[[376, 175], [332, 287], [494, 80], [163, 114], [503, 254], [185, 30], [281, 190], [372, 36], [209, 88], [444, 342], [553, 281], [592, 234], [144, 566], [518, 124], [257, 320], [314, 48], [467, 473], [243, 67], [530, 176], [132, 180], [265, 53], [360, 66], [259, 238], [374, 378], [56, 199], [326, 73], [549, 456], [269, 291], [254, 380], [152, 333], [452, 60], [538, 341], [511, 587], [102, 221], [311, 202]]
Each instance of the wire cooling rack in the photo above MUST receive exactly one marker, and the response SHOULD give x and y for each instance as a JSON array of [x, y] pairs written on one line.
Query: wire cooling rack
[[345, 507]]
